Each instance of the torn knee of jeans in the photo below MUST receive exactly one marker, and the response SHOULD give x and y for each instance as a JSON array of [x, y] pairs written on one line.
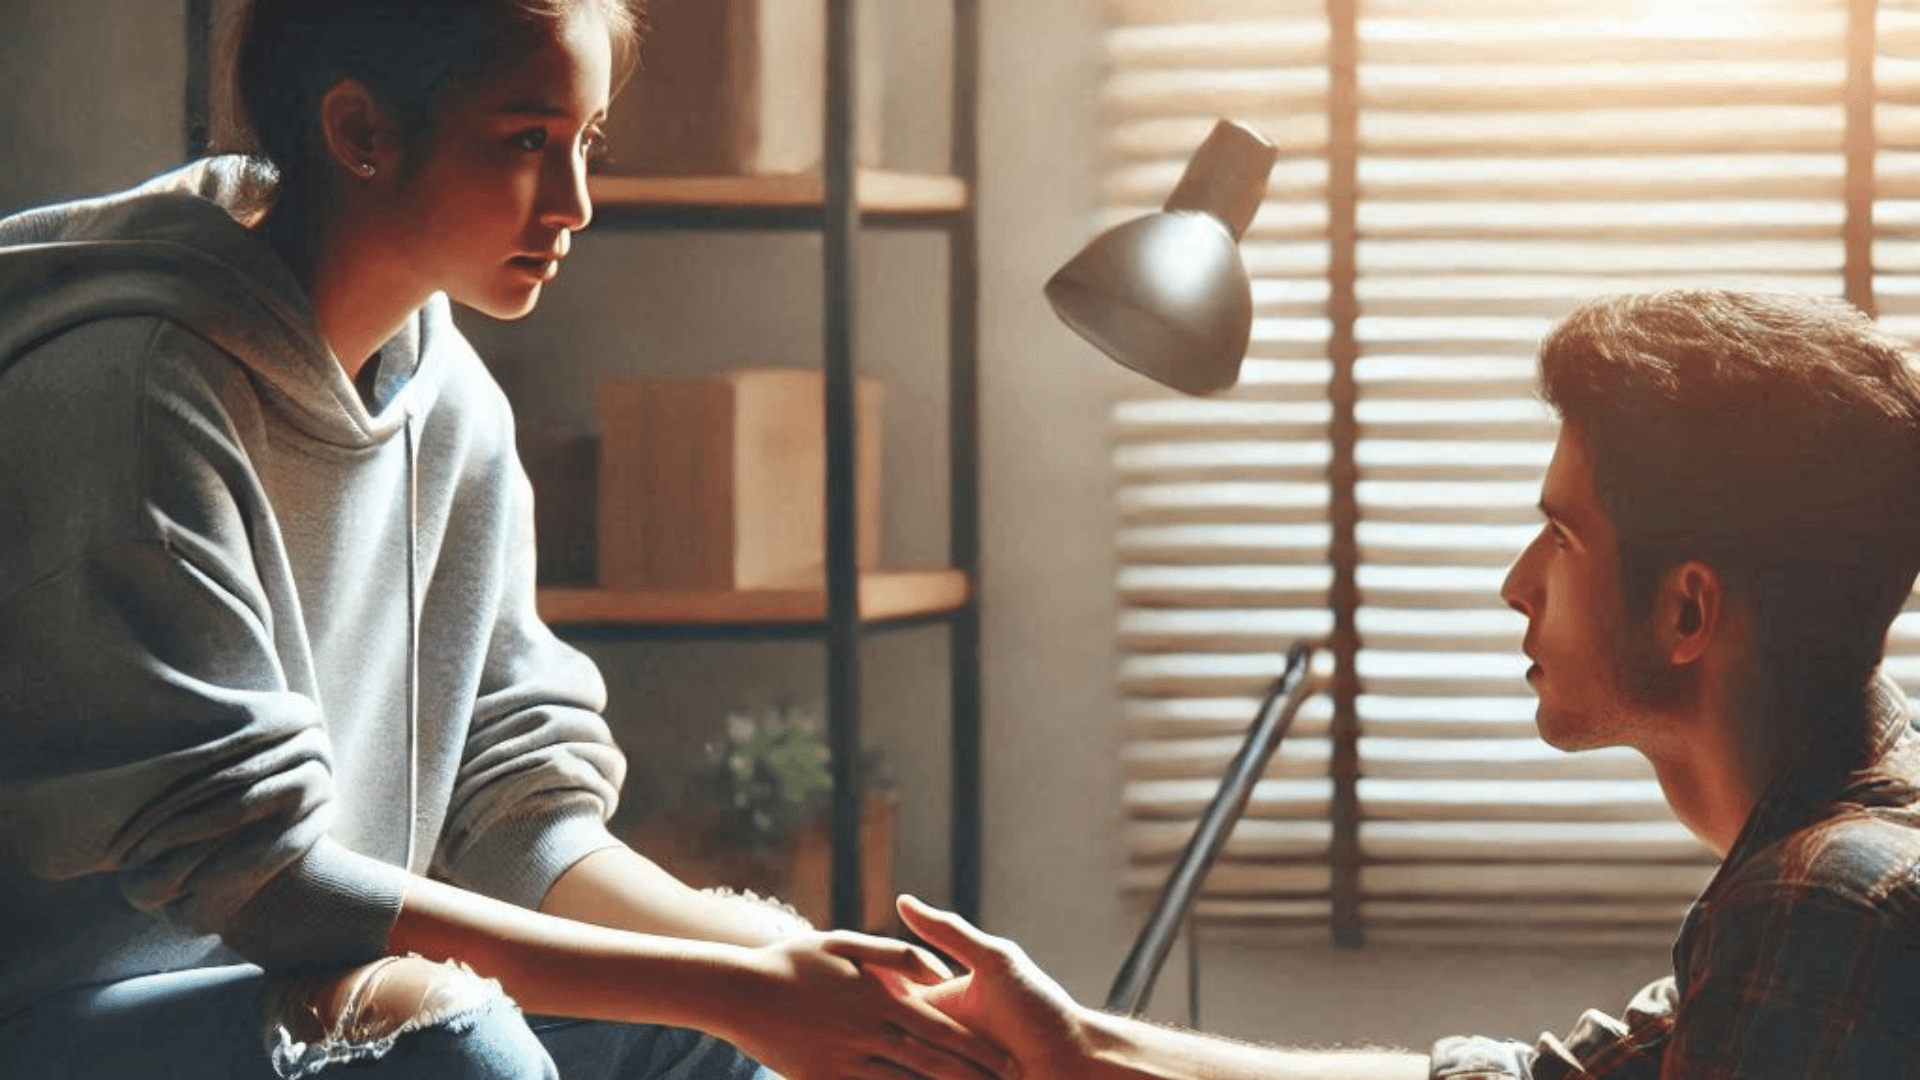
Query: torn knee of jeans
[[313, 1021]]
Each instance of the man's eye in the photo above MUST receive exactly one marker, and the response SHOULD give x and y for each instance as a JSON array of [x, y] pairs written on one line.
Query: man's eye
[[531, 139], [1558, 534]]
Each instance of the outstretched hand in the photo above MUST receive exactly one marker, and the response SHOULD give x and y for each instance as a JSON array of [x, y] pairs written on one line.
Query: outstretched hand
[[841, 1005], [1004, 995]]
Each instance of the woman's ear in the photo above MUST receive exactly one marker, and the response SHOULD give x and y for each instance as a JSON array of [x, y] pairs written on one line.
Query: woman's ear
[[360, 137], [1690, 612]]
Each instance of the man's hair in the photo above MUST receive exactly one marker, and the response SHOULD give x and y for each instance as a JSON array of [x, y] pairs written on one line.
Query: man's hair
[[1775, 438]]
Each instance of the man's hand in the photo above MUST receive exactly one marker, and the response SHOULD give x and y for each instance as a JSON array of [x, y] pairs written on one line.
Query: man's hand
[[840, 1005], [1004, 995]]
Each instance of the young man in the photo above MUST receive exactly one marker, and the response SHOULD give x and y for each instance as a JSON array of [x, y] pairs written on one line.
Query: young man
[[1732, 523]]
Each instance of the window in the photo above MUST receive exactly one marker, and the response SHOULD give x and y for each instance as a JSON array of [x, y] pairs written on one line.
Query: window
[[1452, 179]]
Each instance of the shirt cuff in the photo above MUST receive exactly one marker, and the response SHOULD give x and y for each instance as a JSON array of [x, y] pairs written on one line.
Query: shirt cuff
[[1471, 1057], [332, 907], [519, 859]]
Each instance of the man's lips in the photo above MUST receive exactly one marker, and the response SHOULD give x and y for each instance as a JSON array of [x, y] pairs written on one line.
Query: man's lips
[[543, 267]]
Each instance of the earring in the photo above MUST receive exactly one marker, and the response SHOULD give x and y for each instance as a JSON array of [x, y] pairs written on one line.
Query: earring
[[366, 168]]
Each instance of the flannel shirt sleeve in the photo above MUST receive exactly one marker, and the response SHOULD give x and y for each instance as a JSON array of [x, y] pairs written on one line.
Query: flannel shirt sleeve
[[1806, 979], [1600, 1047]]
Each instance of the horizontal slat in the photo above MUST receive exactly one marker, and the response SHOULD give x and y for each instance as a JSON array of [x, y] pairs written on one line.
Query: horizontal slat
[[1490, 759], [1219, 43], [1197, 674], [1897, 32], [1147, 630], [1439, 556], [1220, 458], [1492, 256], [1734, 86], [1227, 92], [1258, 879], [1512, 800], [1161, 12], [1508, 539], [1652, 179], [1546, 296], [1564, 879], [1206, 759], [1664, 913], [1231, 502], [1691, 18], [1774, 130], [1161, 841], [1174, 799], [1531, 841], [1482, 759], [1519, 939], [1232, 543], [1218, 415], [1575, 882], [1615, 222], [1153, 718], [1430, 40]]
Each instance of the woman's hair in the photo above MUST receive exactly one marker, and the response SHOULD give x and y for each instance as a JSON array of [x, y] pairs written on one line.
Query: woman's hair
[[416, 57], [1775, 438]]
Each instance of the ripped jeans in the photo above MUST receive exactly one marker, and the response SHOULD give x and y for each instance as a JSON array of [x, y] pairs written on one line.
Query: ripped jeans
[[207, 1024]]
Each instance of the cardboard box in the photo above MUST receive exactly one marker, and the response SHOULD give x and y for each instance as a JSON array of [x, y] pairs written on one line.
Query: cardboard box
[[738, 87], [720, 483]]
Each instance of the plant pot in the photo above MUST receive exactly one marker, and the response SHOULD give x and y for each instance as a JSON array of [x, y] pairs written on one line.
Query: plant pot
[[798, 871]]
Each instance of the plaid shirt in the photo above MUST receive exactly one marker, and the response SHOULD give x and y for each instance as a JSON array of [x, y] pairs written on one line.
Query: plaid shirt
[[1801, 959]]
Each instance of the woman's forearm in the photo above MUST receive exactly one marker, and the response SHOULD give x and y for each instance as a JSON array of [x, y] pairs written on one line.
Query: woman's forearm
[[568, 968], [809, 1006], [620, 888]]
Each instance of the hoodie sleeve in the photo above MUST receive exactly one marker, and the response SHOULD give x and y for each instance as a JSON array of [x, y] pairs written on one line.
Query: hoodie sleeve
[[150, 732], [540, 772]]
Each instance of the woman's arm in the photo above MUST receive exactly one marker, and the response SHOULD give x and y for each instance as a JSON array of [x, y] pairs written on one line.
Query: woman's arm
[[620, 888], [808, 1006]]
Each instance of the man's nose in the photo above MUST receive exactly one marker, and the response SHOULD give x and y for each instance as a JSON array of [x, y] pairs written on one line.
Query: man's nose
[[1516, 590]]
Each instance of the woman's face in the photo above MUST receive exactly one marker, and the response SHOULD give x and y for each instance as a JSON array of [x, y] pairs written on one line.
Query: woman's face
[[491, 211]]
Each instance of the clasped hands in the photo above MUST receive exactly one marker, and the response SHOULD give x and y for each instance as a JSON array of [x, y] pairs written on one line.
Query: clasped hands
[[861, 1007]]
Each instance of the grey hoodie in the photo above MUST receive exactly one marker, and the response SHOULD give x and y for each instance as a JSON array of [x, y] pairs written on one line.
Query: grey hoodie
[[262, 650]]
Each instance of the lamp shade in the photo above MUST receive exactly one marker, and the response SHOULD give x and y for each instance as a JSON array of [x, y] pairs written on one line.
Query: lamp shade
[[1166, 294]]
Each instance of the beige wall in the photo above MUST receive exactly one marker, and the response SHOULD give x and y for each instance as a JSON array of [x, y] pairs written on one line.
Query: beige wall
[[91, 102]]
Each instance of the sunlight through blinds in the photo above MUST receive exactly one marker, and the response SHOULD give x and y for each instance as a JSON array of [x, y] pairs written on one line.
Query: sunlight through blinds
[[1513, 158]]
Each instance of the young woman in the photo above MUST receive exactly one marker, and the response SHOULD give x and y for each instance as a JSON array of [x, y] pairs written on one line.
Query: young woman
[[284, 749]]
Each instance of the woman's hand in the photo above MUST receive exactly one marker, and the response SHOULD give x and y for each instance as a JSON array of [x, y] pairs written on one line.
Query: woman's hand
[[833, 1006]]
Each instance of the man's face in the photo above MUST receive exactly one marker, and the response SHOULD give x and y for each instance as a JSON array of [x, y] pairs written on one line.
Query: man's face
[[1567, 583]]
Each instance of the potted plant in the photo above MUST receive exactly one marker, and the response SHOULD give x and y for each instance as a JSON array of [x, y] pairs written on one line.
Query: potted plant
[[765, 803]]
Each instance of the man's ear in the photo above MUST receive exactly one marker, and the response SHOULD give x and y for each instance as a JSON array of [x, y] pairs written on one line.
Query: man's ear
[[1690, 611], [360, 137]]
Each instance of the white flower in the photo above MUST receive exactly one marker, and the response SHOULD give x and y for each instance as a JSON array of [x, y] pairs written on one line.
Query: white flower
[[740, 728]]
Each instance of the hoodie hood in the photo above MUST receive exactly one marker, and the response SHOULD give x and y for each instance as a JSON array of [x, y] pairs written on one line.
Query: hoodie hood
[[180, 247]]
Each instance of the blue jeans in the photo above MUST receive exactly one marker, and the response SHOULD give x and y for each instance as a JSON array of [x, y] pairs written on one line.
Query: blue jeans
[[207, 1025]]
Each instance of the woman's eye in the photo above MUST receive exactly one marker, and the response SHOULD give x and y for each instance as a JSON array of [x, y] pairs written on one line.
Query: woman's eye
[[594, 146], [1558, 534], [532, 139]]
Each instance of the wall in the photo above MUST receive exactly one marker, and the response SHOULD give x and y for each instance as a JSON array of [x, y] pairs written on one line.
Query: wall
[[91, 96], [84, 110]]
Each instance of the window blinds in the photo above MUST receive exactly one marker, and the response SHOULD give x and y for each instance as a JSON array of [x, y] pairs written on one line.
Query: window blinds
[[1452, 179]]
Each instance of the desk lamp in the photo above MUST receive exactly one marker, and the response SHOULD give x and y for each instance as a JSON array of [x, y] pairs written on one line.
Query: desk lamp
[[1166, 294]]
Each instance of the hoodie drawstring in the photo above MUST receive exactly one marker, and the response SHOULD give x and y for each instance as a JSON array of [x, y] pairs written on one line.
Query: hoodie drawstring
[[413, 635]]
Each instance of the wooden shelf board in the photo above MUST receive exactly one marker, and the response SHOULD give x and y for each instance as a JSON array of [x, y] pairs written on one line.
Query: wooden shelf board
[[884, 595], [879, 191]]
